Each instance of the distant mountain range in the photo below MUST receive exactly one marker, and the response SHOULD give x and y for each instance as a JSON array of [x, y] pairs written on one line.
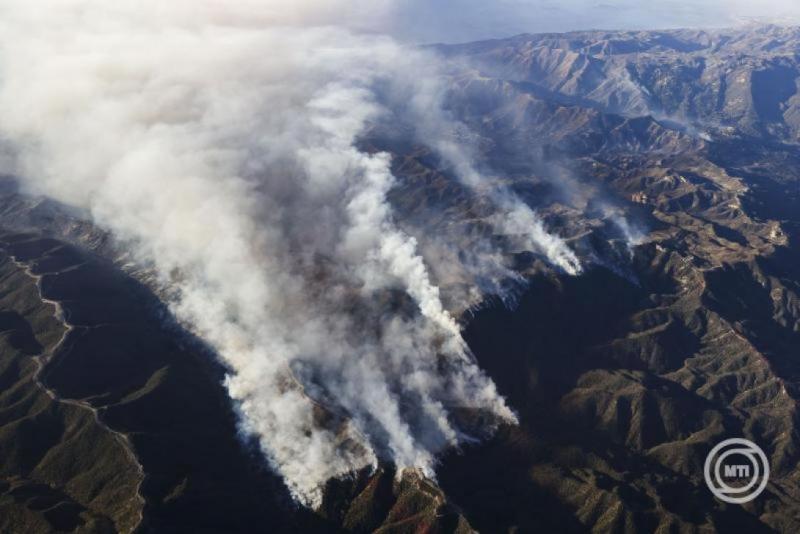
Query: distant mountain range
[[710, 80]]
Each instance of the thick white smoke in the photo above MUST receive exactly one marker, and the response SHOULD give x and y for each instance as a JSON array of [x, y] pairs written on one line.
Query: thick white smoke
[[453, 142], [515, 219], [220, 142]]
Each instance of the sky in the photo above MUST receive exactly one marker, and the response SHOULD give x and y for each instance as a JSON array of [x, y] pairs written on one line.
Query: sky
[[467, 20]]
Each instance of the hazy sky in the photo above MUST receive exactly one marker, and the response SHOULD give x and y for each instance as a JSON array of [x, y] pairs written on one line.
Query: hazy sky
[[464, 20]]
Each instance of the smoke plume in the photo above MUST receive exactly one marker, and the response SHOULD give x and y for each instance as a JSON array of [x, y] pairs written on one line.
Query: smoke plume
[[219, 142]]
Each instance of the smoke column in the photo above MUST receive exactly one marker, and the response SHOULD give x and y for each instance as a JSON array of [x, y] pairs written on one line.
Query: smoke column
[[219, 143]]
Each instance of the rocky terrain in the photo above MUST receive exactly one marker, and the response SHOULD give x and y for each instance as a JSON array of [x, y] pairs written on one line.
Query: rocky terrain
[[669, 162], [725, 81]]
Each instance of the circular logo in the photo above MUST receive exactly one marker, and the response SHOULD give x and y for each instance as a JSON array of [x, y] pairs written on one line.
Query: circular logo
[[736, 471]]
